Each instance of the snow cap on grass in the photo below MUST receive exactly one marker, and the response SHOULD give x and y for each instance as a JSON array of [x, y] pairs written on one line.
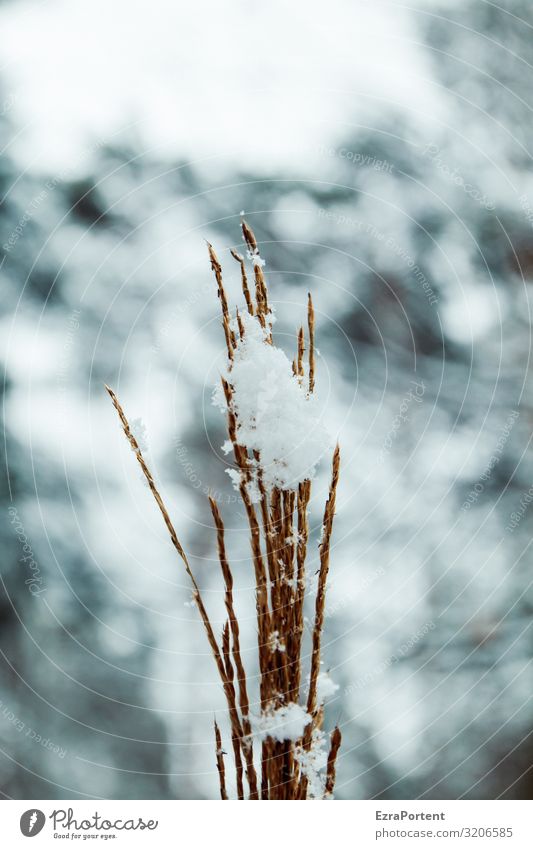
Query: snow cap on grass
[[275, 415], [286, 723]]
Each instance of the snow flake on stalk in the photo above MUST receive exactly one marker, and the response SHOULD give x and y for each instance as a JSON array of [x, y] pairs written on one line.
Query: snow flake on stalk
[[254, 256], [294, 539], [275, 642], [325, 687], [313, 763], [139, 431]]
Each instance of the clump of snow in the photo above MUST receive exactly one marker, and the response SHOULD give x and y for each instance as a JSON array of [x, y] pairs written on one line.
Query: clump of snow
[[275, 415], [325, 687], [254, 255], [235, 477], [312, 764], [138, 429], [257, 261], [253, 492], [288, 722], [294, 539], [275, 642]]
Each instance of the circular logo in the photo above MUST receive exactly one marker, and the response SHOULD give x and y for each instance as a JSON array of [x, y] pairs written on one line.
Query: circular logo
[[32, 822]]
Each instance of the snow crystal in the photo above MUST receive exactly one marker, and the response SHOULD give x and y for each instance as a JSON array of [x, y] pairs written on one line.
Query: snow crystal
[[325, 687], [235, 477], [286, 723], [275, 415], [294, 539], [138, 429], [275, 642], [253, 492]]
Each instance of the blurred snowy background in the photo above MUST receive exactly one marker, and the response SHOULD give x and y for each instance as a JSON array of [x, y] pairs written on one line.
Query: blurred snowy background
[[382, 153]]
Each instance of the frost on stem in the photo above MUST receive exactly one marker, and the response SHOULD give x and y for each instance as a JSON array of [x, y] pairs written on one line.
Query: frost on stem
[[313, 763], [275, 415], [288, 722], [275, 643]]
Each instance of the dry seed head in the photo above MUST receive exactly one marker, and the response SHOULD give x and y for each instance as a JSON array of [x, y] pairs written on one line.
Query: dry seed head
[[311, 329]]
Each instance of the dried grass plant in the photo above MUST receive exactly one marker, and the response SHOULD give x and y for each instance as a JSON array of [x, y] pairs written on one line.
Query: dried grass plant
[[267, 767]]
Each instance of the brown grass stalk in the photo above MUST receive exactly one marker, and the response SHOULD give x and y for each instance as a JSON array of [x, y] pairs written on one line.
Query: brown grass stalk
[[219, 660], [173, 535], [279, 538], [220, 763], [228, 332], [244, 701], [261, 292], [236, 731], [336, 739], [325, 549], [300, 355], [311, 330], [244, 282]]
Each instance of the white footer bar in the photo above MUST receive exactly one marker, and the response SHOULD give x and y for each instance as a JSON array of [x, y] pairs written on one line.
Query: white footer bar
[[357, 824]]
